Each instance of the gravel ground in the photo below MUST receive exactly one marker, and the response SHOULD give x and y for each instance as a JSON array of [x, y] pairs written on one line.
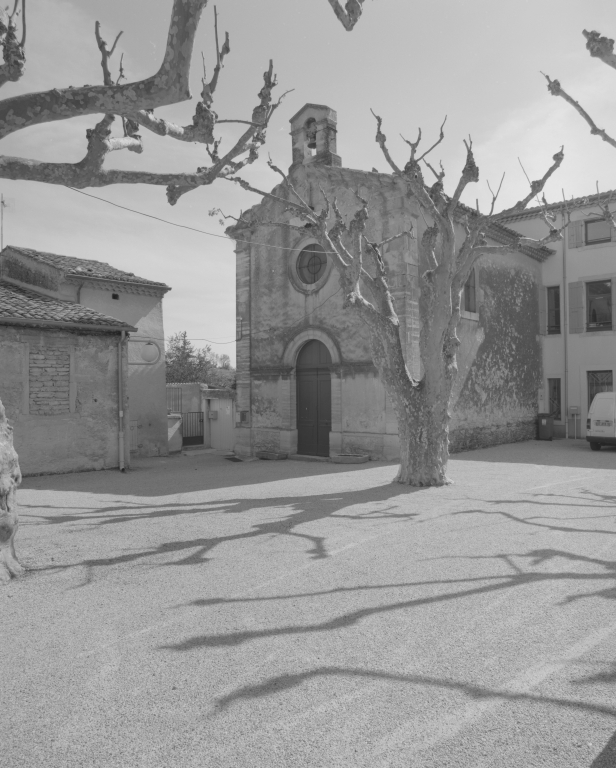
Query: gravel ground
[[198, 612]]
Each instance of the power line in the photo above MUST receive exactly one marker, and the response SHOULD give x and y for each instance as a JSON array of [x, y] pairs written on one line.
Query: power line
[[223, 237], [184, 226]]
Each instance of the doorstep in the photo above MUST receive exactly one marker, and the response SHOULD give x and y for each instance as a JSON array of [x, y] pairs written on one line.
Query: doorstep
[[302, 457]]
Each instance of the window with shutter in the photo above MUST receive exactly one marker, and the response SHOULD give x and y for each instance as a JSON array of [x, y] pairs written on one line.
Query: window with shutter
[[576, 307], [553, 309], [599, 305]]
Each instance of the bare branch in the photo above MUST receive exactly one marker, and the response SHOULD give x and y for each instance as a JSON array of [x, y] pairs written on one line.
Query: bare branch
[[436, 143], [600, 47], [350, 14], [249, 142], [555, 89], [470, 173], [495, 196], [168, 86], [288, 183], [209, 88], [12, 51], [536, 186], [380, 140], [105, 54], [22, 42]]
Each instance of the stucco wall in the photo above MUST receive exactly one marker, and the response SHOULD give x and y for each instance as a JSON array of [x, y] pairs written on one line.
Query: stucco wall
[[83, 435], [588, 350], [146, 383]]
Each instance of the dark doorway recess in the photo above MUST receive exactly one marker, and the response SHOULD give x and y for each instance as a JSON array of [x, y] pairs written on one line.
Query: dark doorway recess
[[314, 400]]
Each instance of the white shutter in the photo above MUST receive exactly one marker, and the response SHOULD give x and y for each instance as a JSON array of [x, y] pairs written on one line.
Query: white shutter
[[576, 234], [576, 307]]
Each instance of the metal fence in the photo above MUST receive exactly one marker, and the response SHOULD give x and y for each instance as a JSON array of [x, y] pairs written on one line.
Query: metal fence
[[174, 399]]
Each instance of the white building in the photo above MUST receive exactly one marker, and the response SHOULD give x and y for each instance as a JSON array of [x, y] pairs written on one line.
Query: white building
[[577, 302]]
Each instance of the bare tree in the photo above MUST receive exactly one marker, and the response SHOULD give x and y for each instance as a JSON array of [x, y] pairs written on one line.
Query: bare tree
[[601, 48], [454, 238], [133, 103]]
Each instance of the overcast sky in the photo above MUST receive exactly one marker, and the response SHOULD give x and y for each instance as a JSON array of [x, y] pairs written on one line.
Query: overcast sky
[[477, 61]]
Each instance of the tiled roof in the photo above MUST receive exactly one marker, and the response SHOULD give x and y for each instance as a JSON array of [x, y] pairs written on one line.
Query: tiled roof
[[73, 266], [30, 308], [574, 202]]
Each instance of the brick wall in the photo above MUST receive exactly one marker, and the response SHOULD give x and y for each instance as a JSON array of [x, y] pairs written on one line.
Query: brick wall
[[49, 381]]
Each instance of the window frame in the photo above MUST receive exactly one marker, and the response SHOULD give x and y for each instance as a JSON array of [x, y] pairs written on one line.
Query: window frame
[[292, 273], [470, 289], [303, 269], [556, 329], [588, 389], [588, 241], [590, 327], [556, 414]]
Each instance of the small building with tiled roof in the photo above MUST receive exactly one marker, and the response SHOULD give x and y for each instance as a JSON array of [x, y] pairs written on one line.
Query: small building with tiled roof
[[77, 337]]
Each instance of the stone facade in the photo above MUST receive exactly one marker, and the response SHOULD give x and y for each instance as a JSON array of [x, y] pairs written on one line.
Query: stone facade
[[60, 391], [495, 396]]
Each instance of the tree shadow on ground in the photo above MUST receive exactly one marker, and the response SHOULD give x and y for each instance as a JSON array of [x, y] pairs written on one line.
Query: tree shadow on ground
[[467, 587], [301, 510], [598, 501], [607, 758], [278, 683]]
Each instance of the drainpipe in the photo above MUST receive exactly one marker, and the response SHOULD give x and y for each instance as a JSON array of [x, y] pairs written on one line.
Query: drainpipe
[[566, 330], [122, 468]]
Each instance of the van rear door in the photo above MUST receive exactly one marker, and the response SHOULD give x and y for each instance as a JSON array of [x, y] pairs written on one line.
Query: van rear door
[[602, 415]]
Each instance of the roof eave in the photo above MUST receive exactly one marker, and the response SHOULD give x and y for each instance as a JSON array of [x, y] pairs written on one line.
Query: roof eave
[[26, 321]]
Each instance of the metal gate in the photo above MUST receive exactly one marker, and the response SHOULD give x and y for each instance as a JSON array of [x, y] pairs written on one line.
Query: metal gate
[[192, 428]]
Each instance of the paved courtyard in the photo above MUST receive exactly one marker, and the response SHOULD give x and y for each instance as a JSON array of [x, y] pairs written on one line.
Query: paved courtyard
[[199, 612]]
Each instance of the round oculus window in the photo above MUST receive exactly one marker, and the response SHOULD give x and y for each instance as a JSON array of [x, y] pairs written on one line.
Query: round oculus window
[[311, 264]]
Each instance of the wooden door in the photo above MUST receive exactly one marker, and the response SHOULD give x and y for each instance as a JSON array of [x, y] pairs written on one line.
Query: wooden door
[[313, 400]]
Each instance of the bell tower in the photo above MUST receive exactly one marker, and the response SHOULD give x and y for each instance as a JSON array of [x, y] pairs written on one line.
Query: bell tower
[[313, 134]]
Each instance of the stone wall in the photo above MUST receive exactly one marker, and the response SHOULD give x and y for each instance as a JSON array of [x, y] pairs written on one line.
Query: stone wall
[[49, 384], [60, 391]]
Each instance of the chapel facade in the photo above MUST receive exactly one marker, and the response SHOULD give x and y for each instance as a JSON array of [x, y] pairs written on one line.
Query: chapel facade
[[306, 383]]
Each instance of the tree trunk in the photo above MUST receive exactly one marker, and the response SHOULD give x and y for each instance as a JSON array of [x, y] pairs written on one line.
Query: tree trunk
[[424, 445], [421, 408], [10, 478]]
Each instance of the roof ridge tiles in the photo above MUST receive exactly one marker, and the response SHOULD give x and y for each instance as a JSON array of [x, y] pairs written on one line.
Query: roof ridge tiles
[[75, 266]]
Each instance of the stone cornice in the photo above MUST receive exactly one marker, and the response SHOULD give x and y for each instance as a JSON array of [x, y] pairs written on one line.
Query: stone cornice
[[345, 369]]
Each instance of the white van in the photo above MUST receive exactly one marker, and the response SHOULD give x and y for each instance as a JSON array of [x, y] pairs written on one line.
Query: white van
[[601, 421]]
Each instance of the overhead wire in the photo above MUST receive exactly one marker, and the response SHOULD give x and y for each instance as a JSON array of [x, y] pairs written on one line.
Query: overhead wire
[[183, 226], [252, 334]]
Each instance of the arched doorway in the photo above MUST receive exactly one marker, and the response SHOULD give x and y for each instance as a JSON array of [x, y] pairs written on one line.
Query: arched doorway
[[314, 401]]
